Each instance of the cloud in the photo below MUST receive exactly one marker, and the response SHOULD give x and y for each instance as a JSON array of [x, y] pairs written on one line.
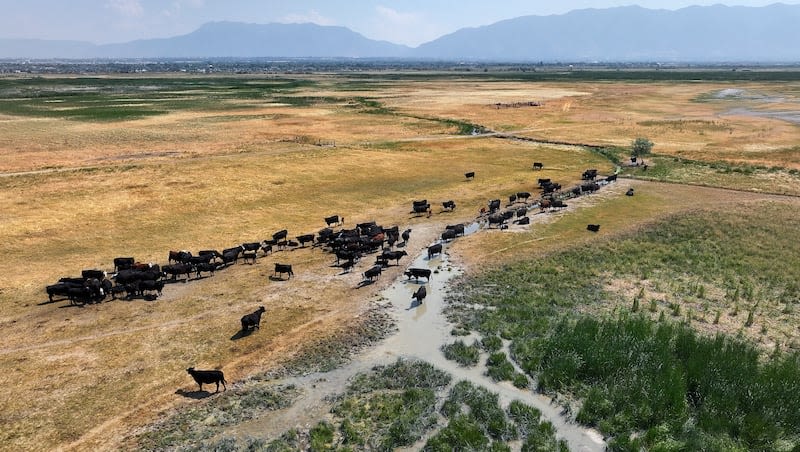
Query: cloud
[[312, 16], [128, 8], [396, 17], [408, 28]]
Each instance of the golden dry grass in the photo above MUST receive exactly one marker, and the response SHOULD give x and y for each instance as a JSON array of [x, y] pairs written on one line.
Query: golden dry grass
[[82, 378]]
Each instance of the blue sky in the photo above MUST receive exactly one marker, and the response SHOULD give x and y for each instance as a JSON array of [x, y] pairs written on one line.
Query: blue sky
[[409, 22]]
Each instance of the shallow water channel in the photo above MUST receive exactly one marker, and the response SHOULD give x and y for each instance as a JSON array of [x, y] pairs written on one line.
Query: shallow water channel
[[422, 329]]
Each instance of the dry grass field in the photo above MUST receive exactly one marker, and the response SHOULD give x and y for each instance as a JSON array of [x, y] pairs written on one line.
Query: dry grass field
[[216, 171]]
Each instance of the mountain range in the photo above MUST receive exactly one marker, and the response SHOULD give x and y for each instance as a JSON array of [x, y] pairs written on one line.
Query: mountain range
[[716, 33]]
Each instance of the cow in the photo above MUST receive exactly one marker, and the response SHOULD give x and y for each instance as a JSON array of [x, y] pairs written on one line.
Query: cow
[[512, 199], [538, 165], [523, 196], [590, 188], [494, 205], [213, 253], [611, 178], [589, 174], [201, 259], [521, 212], [420, 207], [347, 265], [406, 235], [434, 249], [251, 321], [448, 235], [469, 175], [251, 246], [542, 181], [151, 286], [178, 269], [305, 238], [420, 294], [373, 272], [280, 235], [558, 204], [60, 289], [394, 255], [283, 268], [416, 273], [231, 255], [179, 256], [123, 263], [523, 221], [496, 219], [449, 205], [629, 192], [207, 377], [457, 228], [266, 248], [206, 267], [96, 274], [334, 220], [249, 256], [593, 227]]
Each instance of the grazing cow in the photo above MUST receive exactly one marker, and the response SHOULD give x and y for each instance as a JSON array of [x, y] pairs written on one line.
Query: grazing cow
[[179, 256], [449, 205], [551, 187], [494, 205], [325, 235], [448, 235], [207, 377], [406, 235], [434, 249], [394, 255], [249, 256], [420, 206], [96, 274], [252, 246], [123, 263], [470, 175], [611, 178], [521, 212], [512, 199], [593, 227], [151, 286], [416, 273], [283, 268], [558, 204], [252, 320], [201, 259], [266, 248], [589, 174], [334, 220], [508, 214], [538, 165], [347, 266], [305, 238], [590, 188], [629, 192], [542, 182], [60, 289], [420, 294], [523, 196], [457, 228], [280, 235], [523, 221], [373, 272], [231, 256], [213, 253]]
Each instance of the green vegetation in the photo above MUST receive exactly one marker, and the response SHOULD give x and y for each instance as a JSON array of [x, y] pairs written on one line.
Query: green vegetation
[[463, 354], [641, 146], [656, 379]]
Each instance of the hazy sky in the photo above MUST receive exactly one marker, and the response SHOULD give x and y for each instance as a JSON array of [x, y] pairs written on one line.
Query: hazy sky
[[409, 22]]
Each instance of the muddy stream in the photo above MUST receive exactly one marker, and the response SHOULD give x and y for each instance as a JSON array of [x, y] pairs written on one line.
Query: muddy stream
[[421, 331]]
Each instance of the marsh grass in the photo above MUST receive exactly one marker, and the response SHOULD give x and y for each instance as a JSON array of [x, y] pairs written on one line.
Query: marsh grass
[[465, 355]]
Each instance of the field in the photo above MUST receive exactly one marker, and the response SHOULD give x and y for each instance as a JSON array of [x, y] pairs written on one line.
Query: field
[[95, 168]]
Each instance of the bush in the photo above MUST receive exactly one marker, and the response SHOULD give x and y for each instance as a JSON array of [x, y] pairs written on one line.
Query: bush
[[463, 354]]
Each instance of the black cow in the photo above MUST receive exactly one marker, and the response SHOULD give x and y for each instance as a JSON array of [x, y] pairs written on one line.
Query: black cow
[[593, 227], [629, 192], [205, 267], [252, 320], [207, 377], [123, 263], [611, 178], [252, 246], [151, 286], [523, 221], [523, 196], [178, 269], [470, 175], [542, 181], [305, 238], [434, 249], [457, 228], [213, 253], [558, 204], [521, 212], [60, 289], [93, 274], [280, 235], [496, 219], [394, 255], [231, 255], [494, 205], [249, 256], [448, 235], [590, 188], [283, 268], [373, 272], [420, 294], [334, 220], [179, 256], [266, 248], [589, 174], [449, 205], [420, 206], [538, 165], [512, 199], [406, 235], [416, 273]]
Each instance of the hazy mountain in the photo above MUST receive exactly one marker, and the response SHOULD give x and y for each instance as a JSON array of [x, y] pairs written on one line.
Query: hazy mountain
[[709, 33], [695, 34]]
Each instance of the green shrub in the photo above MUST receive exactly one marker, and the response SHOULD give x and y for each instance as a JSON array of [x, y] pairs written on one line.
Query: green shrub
[[463, 354]]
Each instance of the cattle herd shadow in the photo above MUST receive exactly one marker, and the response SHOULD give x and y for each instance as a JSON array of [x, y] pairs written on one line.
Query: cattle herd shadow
[[196, 395], [277, 278], [364, 283], [414, 304]]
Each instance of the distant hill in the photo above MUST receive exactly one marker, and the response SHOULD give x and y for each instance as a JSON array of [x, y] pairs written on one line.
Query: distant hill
[[716, 33], [694, 34]]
